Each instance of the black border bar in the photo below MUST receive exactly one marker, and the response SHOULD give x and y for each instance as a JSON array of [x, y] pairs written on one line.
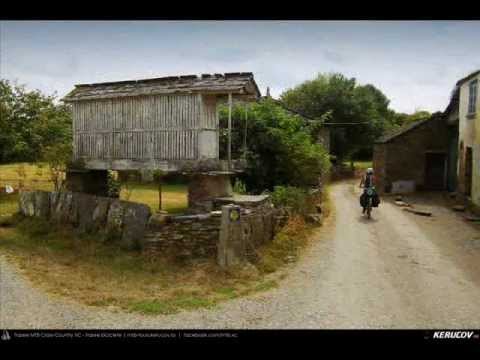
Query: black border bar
[[175, 336]]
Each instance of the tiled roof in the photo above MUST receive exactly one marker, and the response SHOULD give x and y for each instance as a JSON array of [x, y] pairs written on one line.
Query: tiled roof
[[405, 129]]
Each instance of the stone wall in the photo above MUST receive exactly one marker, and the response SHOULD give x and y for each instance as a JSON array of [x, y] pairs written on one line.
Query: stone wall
[[198, 235], [183, 236], [243, 231], [379, 169], [119, 220], [133, 227], [259, 227]]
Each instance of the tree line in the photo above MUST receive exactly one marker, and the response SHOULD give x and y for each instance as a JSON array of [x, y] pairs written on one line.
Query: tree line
[[281, 147], [281, 142], [31, 123]]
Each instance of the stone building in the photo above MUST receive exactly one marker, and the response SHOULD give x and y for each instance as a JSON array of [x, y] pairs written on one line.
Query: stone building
[[415, 157], [170, 124], [442, 152]]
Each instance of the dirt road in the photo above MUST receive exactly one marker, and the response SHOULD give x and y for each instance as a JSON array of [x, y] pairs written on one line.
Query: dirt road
[[397, 270]]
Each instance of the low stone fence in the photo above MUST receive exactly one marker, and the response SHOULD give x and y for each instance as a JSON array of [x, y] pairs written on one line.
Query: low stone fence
[[198, 235], [259, 227], [122, 220], [184, 236], [244, 230]]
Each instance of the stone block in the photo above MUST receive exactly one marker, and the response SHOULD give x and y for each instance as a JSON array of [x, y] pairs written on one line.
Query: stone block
[[42, 204], [231, 244], [258, 230], [27, 203], [204, 188], [115, 219], [268, 226], [135, 219], [100, 213], [54, 195], [157, 221], [62, 207], [86, 205]]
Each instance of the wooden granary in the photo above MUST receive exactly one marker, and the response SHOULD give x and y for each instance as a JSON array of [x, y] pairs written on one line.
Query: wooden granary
[[169, 123]]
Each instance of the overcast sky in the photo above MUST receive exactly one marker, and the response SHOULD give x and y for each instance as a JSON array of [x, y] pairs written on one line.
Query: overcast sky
[[416, 64]]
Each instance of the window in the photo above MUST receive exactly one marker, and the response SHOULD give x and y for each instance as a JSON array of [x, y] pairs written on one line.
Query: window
[[472, 96]]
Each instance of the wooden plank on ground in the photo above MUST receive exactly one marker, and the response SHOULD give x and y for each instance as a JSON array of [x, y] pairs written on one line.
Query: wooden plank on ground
[[417, 211]]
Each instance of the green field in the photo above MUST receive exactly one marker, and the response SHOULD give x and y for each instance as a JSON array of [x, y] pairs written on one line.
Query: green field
[[363, 164], [35, 177]]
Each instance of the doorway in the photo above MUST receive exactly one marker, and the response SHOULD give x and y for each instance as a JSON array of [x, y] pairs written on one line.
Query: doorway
[[468, 171], [435, 171]]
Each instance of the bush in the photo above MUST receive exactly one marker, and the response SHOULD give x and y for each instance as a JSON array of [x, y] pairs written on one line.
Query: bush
[[286, 245], [239, 187], [58, 157], [114, 186], [281, 147], [298, 200]]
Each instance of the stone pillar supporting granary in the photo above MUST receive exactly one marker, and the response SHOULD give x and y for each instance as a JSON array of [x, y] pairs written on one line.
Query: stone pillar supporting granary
[[170, 124], [204, 188]]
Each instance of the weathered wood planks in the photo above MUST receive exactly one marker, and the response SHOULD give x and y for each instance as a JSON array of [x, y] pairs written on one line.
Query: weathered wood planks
[[147, 127]]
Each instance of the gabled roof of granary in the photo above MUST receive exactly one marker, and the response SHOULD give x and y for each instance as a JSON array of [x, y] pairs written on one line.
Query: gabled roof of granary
[[222, 84]]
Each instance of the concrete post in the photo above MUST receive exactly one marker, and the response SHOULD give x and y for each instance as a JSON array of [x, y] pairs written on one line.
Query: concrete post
[[231, 247]]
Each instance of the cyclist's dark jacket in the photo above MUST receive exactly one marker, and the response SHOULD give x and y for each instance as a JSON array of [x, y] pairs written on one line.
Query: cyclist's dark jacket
[[368, 180]]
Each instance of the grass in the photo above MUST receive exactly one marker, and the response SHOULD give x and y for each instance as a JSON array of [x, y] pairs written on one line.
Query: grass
[[37, 171], [33, 176], [8, 206], [363, 165], [359, 164], [92, 272], [289, 243], [84, 268], [174, 196]]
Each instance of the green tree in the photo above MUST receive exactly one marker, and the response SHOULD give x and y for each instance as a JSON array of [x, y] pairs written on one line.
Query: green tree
[[418, 115], [58, 158], [280, 147], [364, 108], [30, 122]]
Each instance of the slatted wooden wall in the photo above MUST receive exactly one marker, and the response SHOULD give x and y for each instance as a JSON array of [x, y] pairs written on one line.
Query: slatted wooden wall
[[149, 127]]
